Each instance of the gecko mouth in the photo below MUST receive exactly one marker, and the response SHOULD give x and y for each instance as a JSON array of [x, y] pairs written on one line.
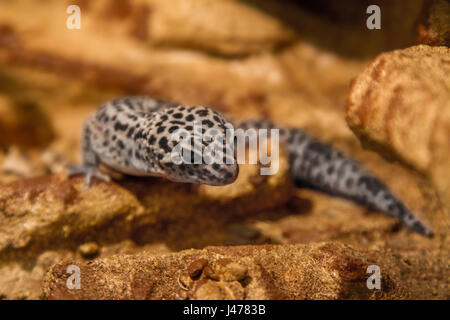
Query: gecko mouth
[[224, 176]]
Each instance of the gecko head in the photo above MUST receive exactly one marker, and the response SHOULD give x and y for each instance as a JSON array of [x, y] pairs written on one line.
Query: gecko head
[[196, 145]]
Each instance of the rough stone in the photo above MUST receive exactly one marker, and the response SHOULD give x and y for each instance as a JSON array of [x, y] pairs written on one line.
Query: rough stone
[[400, 105]]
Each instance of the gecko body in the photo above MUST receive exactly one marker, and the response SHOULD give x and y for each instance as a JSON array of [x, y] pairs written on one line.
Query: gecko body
[[133, 135]]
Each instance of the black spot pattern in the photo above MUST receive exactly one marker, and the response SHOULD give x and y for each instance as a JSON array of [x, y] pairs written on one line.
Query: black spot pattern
[[120, 126], [163, 144]]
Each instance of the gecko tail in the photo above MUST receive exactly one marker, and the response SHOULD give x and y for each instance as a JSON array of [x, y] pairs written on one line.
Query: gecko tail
[[327, 169], [374, 194], [318, 165], [385, 202], [423, 230], [407, 218]]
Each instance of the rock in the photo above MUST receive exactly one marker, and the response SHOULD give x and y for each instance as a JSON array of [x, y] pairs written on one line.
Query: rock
[[22, 123], [22, 280], [195, 268], [89, 250], [212, 290], [318, 271], [16, 163], [400, 105], [230, 270], [176, 23], [71, 210]]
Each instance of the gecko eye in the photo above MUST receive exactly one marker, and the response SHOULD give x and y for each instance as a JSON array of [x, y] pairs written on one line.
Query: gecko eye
[[200, 134]]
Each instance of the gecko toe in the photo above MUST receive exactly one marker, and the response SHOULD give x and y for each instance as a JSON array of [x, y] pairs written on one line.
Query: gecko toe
[[88, 180], [88, 172], [75, 171], [101, 176]]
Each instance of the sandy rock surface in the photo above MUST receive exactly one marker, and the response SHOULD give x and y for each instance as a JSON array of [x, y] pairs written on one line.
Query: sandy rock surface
[[401, 103], [322, 271], [260, 237]]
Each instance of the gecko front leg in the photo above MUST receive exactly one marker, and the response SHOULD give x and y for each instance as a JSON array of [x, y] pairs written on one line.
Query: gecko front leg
[[90, 161]]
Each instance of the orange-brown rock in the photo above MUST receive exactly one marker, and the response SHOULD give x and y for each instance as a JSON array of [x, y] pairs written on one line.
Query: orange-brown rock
[[401, 103], [22, 123], [319, 271], [53, 212]]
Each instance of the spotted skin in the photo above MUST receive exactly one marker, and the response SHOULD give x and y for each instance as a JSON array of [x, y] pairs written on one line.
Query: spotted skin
[[132, 135]]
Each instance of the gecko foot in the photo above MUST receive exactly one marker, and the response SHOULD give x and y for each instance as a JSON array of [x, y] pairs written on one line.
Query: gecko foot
[[89, 172]]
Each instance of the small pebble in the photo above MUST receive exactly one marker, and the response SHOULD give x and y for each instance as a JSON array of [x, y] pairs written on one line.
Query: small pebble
[[209, 273], [234, 272], [89, 250], [195, 268]]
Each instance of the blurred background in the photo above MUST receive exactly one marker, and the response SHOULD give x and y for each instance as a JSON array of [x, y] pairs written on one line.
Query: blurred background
[[291, 61]]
